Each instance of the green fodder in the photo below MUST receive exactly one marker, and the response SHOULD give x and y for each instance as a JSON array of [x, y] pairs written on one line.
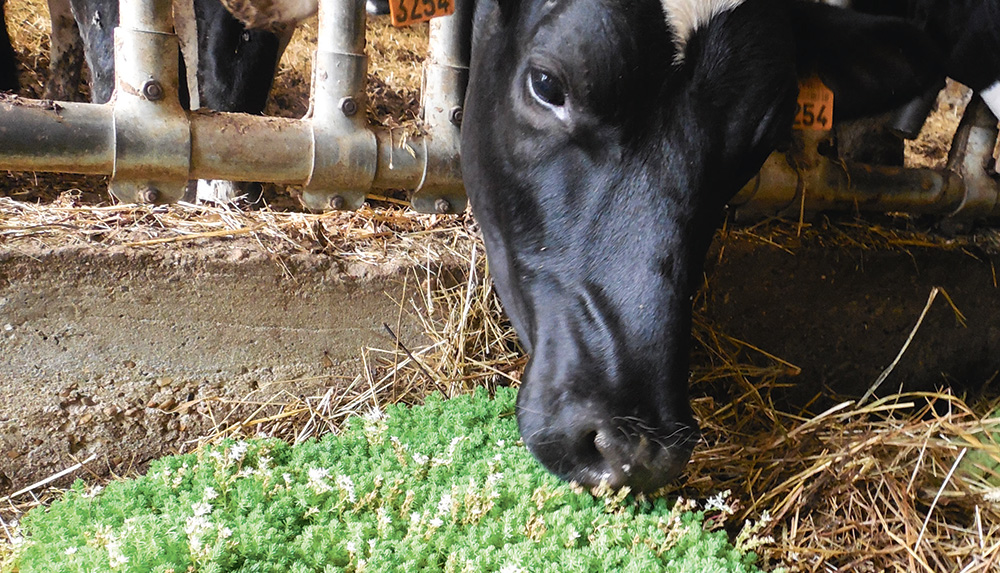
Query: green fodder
[[445, 486]]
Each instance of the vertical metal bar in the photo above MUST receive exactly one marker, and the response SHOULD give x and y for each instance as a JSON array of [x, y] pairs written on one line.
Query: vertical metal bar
[[345, 151], [445, 78], [152, 136], [971, 156], [147, 15]]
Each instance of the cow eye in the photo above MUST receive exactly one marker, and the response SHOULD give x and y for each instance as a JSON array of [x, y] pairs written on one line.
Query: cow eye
[[546, 88]]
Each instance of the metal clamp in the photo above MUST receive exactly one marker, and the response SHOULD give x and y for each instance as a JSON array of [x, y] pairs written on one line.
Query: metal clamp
[[446, 76], [345, 151], [152, 155]]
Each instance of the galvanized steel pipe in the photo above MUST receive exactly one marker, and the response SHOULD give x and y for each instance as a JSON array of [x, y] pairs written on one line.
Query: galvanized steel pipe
[[446, 74], [344, 150], [151, 147], [802, 181]]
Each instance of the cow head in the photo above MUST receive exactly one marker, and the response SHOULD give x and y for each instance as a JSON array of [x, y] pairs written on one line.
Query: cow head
[[600, 141]]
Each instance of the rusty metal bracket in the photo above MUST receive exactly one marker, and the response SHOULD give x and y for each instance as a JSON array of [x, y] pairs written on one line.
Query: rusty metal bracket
[[971, 156], [802, 181]]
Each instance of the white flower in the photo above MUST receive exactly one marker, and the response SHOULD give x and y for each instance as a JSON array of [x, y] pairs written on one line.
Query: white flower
[[317, 474], [436, 522], [196, 525], [92, 491], [446, 460], [71, 550], [444, 506], [383, 517], [210, 493], [237, 452], [316, 480], [718, 503], [345, 484], [115, 555], [351, 547], [201, 508], [225, 533], [420, 459]]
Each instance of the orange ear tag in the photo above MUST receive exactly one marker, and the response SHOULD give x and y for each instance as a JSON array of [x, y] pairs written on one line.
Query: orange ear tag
[[814, 109], [408, 12]]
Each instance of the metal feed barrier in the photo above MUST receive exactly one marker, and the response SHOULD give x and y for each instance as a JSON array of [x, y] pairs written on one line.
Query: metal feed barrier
[[151, 147], [804, 181]]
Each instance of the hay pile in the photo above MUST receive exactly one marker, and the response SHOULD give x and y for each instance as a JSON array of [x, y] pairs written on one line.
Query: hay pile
[[905, 483]]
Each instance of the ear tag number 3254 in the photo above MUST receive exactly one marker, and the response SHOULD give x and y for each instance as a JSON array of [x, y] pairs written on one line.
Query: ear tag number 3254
[[407, 12], [814, 108]]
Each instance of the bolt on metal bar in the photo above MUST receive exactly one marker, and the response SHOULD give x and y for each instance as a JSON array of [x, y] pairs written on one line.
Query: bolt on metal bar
[[152, 138], [344, 150]]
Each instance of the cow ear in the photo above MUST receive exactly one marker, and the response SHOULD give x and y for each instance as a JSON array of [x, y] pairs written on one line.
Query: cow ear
[[872, 63]]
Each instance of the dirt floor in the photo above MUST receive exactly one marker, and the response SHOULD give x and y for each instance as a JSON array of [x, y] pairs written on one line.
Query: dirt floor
[[843, 313]]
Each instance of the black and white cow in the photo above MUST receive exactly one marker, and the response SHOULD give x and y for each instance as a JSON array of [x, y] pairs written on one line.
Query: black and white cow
[[600, 141], [8, 61], [967, 31]]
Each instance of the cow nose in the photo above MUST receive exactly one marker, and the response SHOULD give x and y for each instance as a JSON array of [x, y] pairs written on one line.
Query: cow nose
[[617, 455]]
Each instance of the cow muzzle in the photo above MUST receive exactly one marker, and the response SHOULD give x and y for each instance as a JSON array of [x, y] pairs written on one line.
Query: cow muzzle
[[584, 446]]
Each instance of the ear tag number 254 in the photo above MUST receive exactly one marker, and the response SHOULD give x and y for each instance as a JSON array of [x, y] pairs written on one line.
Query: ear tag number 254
[[814, 108], [407, 12]]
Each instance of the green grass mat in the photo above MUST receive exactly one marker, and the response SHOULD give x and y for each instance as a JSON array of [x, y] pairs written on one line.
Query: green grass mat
[[447, 486]]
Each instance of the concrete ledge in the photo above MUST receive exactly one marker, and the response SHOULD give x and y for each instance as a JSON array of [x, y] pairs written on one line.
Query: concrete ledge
[[101, 347]]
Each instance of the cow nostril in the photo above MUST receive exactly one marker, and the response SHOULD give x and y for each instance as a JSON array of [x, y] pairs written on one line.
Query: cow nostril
[[612, 451], [589, 450]]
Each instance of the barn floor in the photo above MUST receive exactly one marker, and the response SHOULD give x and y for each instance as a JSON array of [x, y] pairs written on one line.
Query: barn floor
[[128, 354]]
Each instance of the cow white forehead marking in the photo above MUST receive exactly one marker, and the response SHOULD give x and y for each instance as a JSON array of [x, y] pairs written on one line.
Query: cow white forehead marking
[[686, 16]]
